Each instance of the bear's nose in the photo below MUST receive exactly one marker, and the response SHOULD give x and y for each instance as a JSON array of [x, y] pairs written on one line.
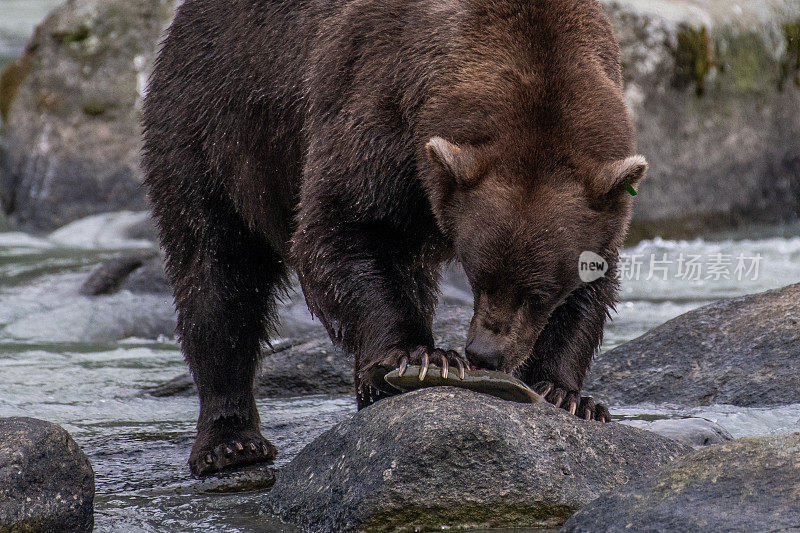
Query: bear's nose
[[483, 354]]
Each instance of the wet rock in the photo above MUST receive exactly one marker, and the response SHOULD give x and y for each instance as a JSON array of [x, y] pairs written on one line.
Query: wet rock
[[109, 276], [311, 367], [138, 272], [743, 485], [99, 319], [46, 481], [247, 479], [695, 432], [149, 278], [123, 229], [714, 90], [739, 351], [71, 107], [449, 457]]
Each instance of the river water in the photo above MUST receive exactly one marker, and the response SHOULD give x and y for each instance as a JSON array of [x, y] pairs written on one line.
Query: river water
[[55, 366]]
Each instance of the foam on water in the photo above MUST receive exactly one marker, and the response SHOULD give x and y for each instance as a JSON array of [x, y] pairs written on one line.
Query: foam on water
[[739, 421]]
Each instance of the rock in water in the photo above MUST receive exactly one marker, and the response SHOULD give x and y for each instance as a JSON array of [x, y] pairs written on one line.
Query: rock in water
[[695, 432], [495, 384], [46, 481], [744, 485], [443, 456], [739, 351], [109, 276]]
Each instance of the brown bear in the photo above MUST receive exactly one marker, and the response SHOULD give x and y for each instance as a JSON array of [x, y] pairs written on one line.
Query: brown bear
[[364, 143]]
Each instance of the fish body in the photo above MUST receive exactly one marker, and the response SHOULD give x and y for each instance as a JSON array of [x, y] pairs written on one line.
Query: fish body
[[496, 384]]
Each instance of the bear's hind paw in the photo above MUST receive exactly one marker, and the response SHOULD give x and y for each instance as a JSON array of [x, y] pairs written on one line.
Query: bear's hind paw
[[231, 454]]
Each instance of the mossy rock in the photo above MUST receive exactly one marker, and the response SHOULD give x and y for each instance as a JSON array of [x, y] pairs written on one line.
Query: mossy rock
[[72, 35], [693, 58], [88, 62], [790, 66], [94, 108], [11, 78]]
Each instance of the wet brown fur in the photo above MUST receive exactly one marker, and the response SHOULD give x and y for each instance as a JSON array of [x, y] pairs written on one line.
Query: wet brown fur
[[293, 134]]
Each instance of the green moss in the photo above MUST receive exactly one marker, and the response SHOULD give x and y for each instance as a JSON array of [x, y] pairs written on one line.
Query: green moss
[[790, 65], [75, 35], [10, 80], [750, 65], [423, 518], [94, 108], [693, 58]]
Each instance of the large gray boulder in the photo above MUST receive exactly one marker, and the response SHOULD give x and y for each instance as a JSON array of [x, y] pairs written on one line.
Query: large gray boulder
[[740, 351], [714, 90], [446, 457], [70, 109], [46, 481], [744, 485]]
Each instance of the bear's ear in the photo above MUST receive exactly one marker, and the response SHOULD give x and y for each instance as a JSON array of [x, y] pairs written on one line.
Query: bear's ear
[[620, 175], [459, 163]]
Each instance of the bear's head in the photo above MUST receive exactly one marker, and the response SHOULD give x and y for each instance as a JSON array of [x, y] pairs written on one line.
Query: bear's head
[[519, 230]]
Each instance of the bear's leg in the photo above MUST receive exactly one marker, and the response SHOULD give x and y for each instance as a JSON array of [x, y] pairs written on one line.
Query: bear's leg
[[224, 278], [562, 354], [375, 294]]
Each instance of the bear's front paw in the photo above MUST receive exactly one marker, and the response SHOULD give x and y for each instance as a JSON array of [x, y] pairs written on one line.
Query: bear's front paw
[[424, 356], [572, 401], [373, 387]]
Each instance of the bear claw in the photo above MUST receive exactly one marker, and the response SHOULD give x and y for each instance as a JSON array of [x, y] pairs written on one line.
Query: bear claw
[[403, 366], [425, 357], [231, 454], [423, 369], [580, 406]]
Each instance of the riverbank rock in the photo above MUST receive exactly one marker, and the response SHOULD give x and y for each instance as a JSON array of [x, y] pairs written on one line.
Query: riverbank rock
[[46, 481], [744, 485], [714, 90], [695, 432], [448, 457], [740, 351], [70, 110]]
